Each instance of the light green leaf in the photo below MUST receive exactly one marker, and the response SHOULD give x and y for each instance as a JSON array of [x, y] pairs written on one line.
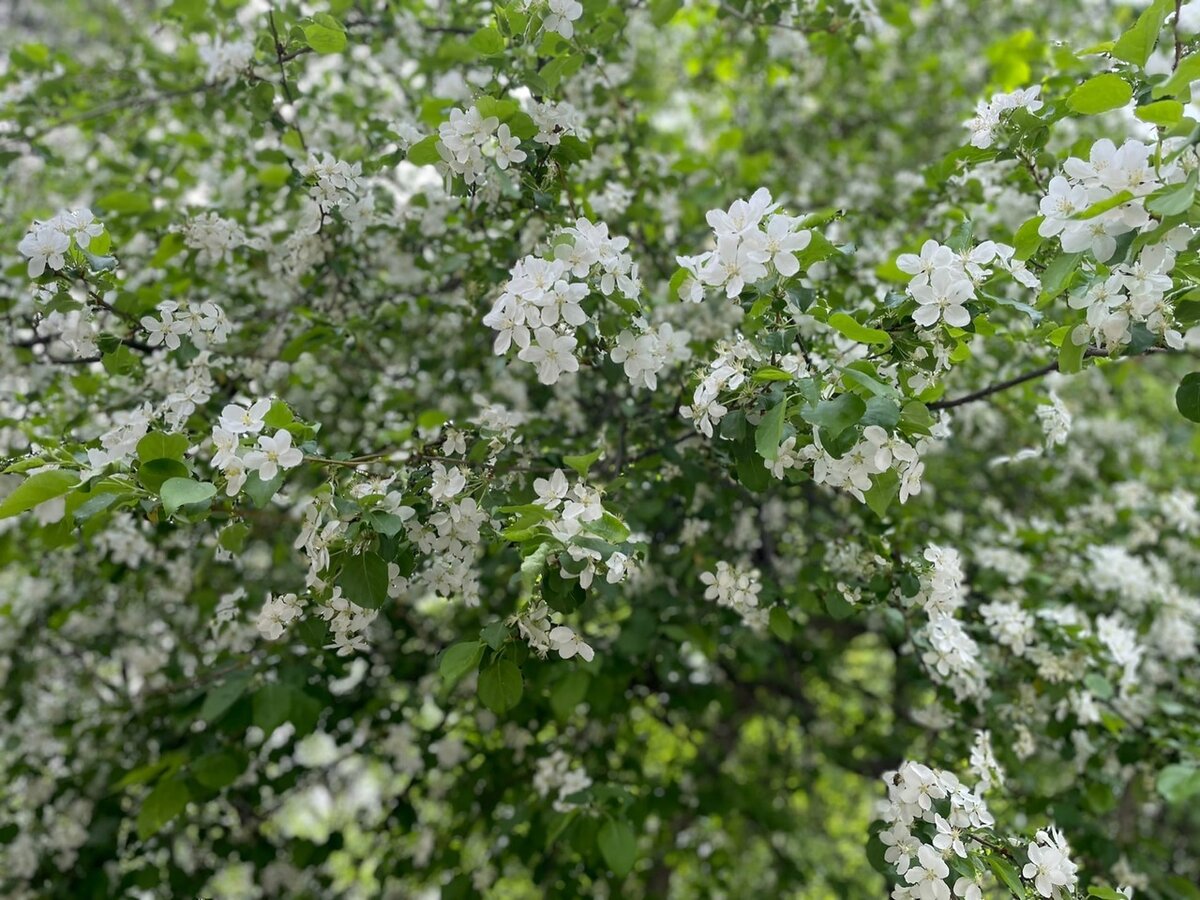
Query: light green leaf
[[1100, 94], [459, 659], [325, 36], [487, 42], [177, 492], [769, 433], [1136, 44], [858, 332], [37, 489], [582, 463], [424, 152], [1178, 782]]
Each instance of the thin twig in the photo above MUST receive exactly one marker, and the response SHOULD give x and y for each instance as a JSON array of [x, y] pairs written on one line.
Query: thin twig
[[1178, 39], [1027, 376], [287, 88]]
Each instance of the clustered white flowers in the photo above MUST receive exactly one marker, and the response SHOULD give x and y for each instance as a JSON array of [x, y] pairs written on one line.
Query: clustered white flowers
[[930, 816], [736, 588], [536, 625], [746, 248], [557, 775], [225, 59], [944, 281], [277, 614], [1134, 291], [47, 243], [271, 455], [990, 114], [540, 307], [468, 137], [213, 236], [204, 325], [951, 655]]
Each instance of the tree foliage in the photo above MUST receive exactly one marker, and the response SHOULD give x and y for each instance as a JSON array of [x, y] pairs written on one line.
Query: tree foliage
[[554, 448]]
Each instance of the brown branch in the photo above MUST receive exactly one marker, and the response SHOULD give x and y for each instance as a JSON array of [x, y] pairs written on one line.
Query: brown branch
[[1021, 379]]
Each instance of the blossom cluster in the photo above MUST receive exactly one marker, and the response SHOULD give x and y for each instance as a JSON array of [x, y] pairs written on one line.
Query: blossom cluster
[[736, 588], [540, 307], [990, 114], [203, 325], [47, 243], [944, 281], [468, 137], [271, 455], [746, 248], [951, 655], [575, 507], [537, 627]]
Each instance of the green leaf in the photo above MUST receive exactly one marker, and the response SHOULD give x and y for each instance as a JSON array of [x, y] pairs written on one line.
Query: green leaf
[[1027, 240], [424, 152], [581, 464], [571, 149], [781, 624], [1007, 874], [1104, 893], [1136, 44], [836, 415], [1178, 782], [219, 769], [1100, 94], [177, 492], [858, 332], [1070, 356], [487, 42], [157, 445], [218, 699], [568, 692], [1058, 274], [37, 489], [271, 704], [1173, 199], [1098, 685], [769, 433], [500, 686], [770, 373], [125, 202], [618, 845], [494, 634], [609, 528], [161, 805], [154, 473], [1163, 112], [662, 11], [1181, 79], [325, 36], [1104, 205], [1187, 397], [459, 659], [364, 579], [259, 491], [884, 489]]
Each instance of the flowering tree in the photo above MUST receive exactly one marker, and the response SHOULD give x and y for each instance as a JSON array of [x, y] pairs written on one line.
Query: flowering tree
[[556, 448]]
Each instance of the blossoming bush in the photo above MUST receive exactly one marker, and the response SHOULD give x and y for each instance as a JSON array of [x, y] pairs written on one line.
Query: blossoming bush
[[565, 448]]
